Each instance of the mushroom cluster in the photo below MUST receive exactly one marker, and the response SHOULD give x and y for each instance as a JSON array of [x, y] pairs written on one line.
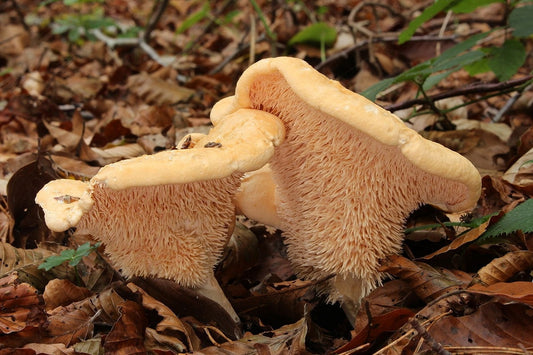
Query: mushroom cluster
[[169, 215], [343, 175]]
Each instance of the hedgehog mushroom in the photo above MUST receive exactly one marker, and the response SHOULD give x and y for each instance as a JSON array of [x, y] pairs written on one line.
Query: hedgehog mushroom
[[346, 176], [169, 215]]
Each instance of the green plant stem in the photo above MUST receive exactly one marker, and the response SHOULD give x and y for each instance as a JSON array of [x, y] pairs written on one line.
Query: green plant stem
[[262, 17], [444, 121], [472, 89]]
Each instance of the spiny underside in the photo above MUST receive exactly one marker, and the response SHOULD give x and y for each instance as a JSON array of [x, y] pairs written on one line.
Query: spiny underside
[[343, 196], [170, 231]]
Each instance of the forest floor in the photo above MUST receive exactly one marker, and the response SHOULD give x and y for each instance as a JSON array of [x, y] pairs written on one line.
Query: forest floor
[[84, 84]]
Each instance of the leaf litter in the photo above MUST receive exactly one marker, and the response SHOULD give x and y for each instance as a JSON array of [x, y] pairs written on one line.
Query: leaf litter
[[67, 108]]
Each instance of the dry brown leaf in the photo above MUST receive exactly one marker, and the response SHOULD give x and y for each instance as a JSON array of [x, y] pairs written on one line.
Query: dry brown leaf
[[289, 339], [467, 237], [21, 306], [425, 281], [519, 291], [157, 91], [170, 324], [63, 292], [12, 258], [521, 172], [382, 300], [502, 269], [127, 335], [240, 254], [493, 324], [51, 349], [75, 322], [479, 146], [13, 40]]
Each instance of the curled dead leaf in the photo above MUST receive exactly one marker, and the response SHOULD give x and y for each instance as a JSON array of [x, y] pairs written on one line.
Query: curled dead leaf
[[426, 282], [63, 292]]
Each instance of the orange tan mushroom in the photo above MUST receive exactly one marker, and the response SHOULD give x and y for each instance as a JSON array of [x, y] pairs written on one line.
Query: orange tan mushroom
[[345, 178], [170, 214]]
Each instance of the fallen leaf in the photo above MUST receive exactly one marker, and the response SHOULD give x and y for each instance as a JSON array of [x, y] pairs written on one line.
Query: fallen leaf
[[289, 339], [502, 269], [157, 91], [518, 291], [170, 325], [127, 335], [63, 292], [426, 282], [458, 242]]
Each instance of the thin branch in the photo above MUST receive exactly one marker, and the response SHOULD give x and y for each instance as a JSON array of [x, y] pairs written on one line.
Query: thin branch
[[157, 12], [435, 346], [20, 14], [471, 89], [344, 53], [113, 42]]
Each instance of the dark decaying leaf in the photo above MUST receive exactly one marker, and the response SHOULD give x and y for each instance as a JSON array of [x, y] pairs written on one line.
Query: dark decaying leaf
[[426, 282], [21, 312], [186, 302], [75, 322], [62, 293], [170, 330], [493, 324], [518, 291], [29, 228], [289, 339], [127, 335]]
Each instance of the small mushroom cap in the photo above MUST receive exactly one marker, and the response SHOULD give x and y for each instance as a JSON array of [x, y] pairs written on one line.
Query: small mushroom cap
[[331, 98], [64, 202], [256, 197], [243, 141]]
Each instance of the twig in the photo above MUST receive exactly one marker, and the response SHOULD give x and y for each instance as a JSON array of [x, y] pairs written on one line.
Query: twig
[[441, 31], [20, 14], [471, 89], [486, 350], [509, 104], [344, 53], [113, 42], [435, 346], [157, 12]]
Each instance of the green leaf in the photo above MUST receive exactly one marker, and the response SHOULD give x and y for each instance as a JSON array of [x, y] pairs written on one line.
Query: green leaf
[[520, 20], [316, 34], [194, 18], [435, 79], [478, 67], [466, 6], [372, 92], [72, 256], [518, 219], [507, 59], [427, 14]]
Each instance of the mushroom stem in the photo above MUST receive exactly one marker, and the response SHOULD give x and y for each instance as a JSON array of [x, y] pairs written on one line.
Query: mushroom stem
[[351, 290], [212, 290]]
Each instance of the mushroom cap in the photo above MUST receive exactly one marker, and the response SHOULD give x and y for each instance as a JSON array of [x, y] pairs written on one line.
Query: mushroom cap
[[243, 142], [331, 98], [64, 202], [256, 197], [347, 174]]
